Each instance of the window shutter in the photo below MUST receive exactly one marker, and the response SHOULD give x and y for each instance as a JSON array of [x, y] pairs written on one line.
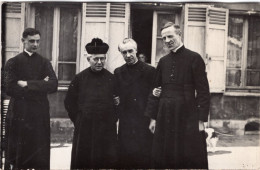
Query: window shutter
[[205, 32], [108, 21], [197, 13], [118, 30], [118, 10], [96, 9], [216, 47], [14, 26], [194, 28]]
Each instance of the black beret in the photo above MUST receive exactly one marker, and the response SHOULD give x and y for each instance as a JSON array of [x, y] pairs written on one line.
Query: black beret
[[97, 46]]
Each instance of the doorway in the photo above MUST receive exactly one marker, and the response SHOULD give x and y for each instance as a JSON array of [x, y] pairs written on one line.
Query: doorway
[[142, 26]]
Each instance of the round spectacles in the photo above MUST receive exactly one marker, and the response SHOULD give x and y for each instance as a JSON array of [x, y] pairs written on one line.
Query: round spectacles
[[102, 59]]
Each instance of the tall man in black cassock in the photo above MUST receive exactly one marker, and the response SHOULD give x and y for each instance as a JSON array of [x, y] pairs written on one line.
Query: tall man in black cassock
[[29, 78], [179, 136], [90, 102], [134, 79]]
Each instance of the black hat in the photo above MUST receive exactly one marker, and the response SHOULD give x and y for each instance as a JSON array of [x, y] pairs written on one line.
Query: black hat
[[97, 46]]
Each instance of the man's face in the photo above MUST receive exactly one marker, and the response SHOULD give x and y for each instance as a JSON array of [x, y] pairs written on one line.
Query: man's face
[[170, 38], [142, 57], [31, 42], [97, 61], [129, 53]]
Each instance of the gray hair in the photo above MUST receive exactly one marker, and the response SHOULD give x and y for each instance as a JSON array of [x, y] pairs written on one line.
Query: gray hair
[[125, 41]]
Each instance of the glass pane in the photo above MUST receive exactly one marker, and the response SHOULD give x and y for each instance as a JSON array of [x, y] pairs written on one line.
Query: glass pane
[[253, 50], [44, 23], [66, 71], [233, 78], [234, 48], [161, 50], [163, 19], [68, 34], [253, 78]]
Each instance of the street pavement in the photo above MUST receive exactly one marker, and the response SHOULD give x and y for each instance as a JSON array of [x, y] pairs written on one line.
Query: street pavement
[[223, 158]]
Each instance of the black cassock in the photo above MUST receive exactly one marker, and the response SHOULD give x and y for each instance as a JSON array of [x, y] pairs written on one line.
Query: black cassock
[[178, 143], [90, 106], [28, 119], [135, 139]]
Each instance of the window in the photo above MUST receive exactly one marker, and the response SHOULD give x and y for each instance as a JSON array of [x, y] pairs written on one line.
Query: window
[[243, 53], [60, 28], [159, 19]]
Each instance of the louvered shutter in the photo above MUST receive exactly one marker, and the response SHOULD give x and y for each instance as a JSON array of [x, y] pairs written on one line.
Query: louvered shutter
[[205, 32], [108, 21], [216, 47], [118, 30], [14, 26], [195, 28]]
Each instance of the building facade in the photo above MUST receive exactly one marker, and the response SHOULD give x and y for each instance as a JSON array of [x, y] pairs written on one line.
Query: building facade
[[225, 34]]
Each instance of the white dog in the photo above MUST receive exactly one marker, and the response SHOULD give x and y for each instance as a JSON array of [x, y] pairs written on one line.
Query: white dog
[[211, 139]]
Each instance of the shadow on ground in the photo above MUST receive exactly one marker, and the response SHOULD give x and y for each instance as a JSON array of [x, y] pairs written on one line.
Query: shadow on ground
[[59, 145], [221, 152], [238, 140]]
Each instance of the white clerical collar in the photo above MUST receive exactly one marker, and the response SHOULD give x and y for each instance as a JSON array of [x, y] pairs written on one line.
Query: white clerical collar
[[176, 49], [133, 63], [29, 53]]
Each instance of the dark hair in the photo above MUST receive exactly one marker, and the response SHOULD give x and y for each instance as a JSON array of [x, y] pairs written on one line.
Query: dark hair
[[175, 26], [31, 32]]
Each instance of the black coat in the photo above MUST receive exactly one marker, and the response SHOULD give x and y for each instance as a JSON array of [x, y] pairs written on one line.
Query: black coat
[[135, 139], [178, 143], [28, 119], [90, 106]]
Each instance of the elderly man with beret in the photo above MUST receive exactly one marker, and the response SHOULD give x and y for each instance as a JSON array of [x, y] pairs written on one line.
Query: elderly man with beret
[[90, 102]]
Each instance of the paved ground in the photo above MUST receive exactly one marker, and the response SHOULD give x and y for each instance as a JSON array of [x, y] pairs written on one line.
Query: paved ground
[[236, 152]]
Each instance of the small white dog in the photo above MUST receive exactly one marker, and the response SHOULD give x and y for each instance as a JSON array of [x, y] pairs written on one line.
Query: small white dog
[[211, 139]]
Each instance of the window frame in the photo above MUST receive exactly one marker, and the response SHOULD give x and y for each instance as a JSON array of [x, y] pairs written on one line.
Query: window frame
[[62, 84], [243, 88]]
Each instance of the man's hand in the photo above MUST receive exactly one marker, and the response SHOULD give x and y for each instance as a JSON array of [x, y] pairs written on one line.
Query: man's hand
[[46, 78], [116, 100], [152, 125], [22, 83], [157, 91], [201, 126]]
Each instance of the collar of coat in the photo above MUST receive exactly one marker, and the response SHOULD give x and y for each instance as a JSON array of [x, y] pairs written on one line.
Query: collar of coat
[[138, 66], [180, 49]]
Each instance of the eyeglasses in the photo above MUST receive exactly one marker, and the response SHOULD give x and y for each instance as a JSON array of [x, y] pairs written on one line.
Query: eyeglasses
[[102, 59], [127, 51]]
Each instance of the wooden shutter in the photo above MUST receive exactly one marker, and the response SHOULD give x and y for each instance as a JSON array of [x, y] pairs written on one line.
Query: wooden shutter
[[216, 47], [205, 32], [108, 21], [14, 26], [195, 28], [118, 30]]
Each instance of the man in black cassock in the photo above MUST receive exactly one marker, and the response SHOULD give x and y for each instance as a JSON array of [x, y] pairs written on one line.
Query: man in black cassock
[[90, 103], [179, 136], [29, 77], [134, 80]]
